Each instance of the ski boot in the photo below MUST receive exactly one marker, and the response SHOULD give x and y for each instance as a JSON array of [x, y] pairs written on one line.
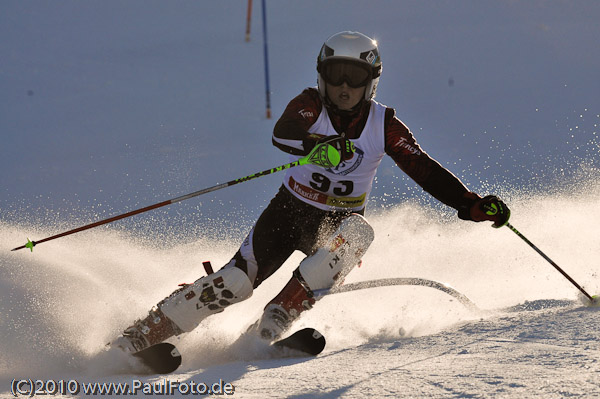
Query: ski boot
[[286, 307], [185, 308], [155, 328]]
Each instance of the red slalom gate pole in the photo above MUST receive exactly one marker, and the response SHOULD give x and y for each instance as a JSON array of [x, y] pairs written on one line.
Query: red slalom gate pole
[[248, 19]]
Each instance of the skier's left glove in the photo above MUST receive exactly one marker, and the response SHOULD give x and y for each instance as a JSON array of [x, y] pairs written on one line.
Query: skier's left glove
[[342, 144], [489, 208]]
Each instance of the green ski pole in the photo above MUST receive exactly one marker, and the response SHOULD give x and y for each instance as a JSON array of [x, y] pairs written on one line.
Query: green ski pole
[[323, 155]]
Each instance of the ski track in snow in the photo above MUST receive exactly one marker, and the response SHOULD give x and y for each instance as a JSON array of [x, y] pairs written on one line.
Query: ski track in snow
[[523, 355]]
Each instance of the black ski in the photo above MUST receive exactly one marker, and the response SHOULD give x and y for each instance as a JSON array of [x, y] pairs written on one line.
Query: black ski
[[163, 358], [307, 342]]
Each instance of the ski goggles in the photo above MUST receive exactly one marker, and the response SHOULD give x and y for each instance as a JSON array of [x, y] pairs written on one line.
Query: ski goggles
[[336, 72]]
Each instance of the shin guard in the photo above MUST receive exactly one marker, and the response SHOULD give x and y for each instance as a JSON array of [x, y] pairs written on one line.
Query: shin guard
[[330, 264], [208, 295]]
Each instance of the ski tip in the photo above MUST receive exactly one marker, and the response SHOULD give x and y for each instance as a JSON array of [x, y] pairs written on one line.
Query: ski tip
[[595, 302], [307, 342], [163, 358]]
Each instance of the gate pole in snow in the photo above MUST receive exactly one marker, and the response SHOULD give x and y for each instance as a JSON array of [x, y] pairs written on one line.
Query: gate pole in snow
[[248, 18], [266, 53]]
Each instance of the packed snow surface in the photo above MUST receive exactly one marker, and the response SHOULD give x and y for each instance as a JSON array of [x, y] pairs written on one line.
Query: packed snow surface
[[111, 106]]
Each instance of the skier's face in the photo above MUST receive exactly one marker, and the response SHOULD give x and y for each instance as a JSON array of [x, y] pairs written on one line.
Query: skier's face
[[344, 96]]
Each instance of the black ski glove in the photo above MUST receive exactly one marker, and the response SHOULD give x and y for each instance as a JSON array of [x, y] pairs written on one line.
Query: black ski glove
[[342, 144], [489, 207]]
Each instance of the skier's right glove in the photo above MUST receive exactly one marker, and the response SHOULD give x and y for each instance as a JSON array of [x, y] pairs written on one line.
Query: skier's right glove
[[342, 144], [487, 208]]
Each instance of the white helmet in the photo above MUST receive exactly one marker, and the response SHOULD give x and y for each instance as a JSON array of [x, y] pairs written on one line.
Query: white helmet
[[350, 48]]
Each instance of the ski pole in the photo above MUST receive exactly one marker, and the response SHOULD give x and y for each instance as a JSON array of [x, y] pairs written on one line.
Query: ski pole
[[593, 299], [323, 155]]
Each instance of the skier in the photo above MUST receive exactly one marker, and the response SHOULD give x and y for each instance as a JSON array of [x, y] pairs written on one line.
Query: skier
[[316, 210]]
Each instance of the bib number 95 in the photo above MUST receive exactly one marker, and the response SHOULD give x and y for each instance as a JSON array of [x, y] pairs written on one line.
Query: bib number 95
[[321, 183]]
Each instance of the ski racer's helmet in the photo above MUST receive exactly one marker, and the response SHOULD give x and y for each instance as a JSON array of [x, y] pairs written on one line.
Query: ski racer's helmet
[[352, 57]]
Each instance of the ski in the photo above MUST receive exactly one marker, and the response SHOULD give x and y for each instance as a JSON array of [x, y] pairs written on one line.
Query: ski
[[163, 358], [305, 342]]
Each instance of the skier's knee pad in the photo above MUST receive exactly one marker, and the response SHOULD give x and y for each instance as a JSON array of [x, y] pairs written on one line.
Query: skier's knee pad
[[341, 253], [208, 295]]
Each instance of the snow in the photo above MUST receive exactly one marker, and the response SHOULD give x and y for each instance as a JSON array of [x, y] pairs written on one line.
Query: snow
[[110, 106]]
